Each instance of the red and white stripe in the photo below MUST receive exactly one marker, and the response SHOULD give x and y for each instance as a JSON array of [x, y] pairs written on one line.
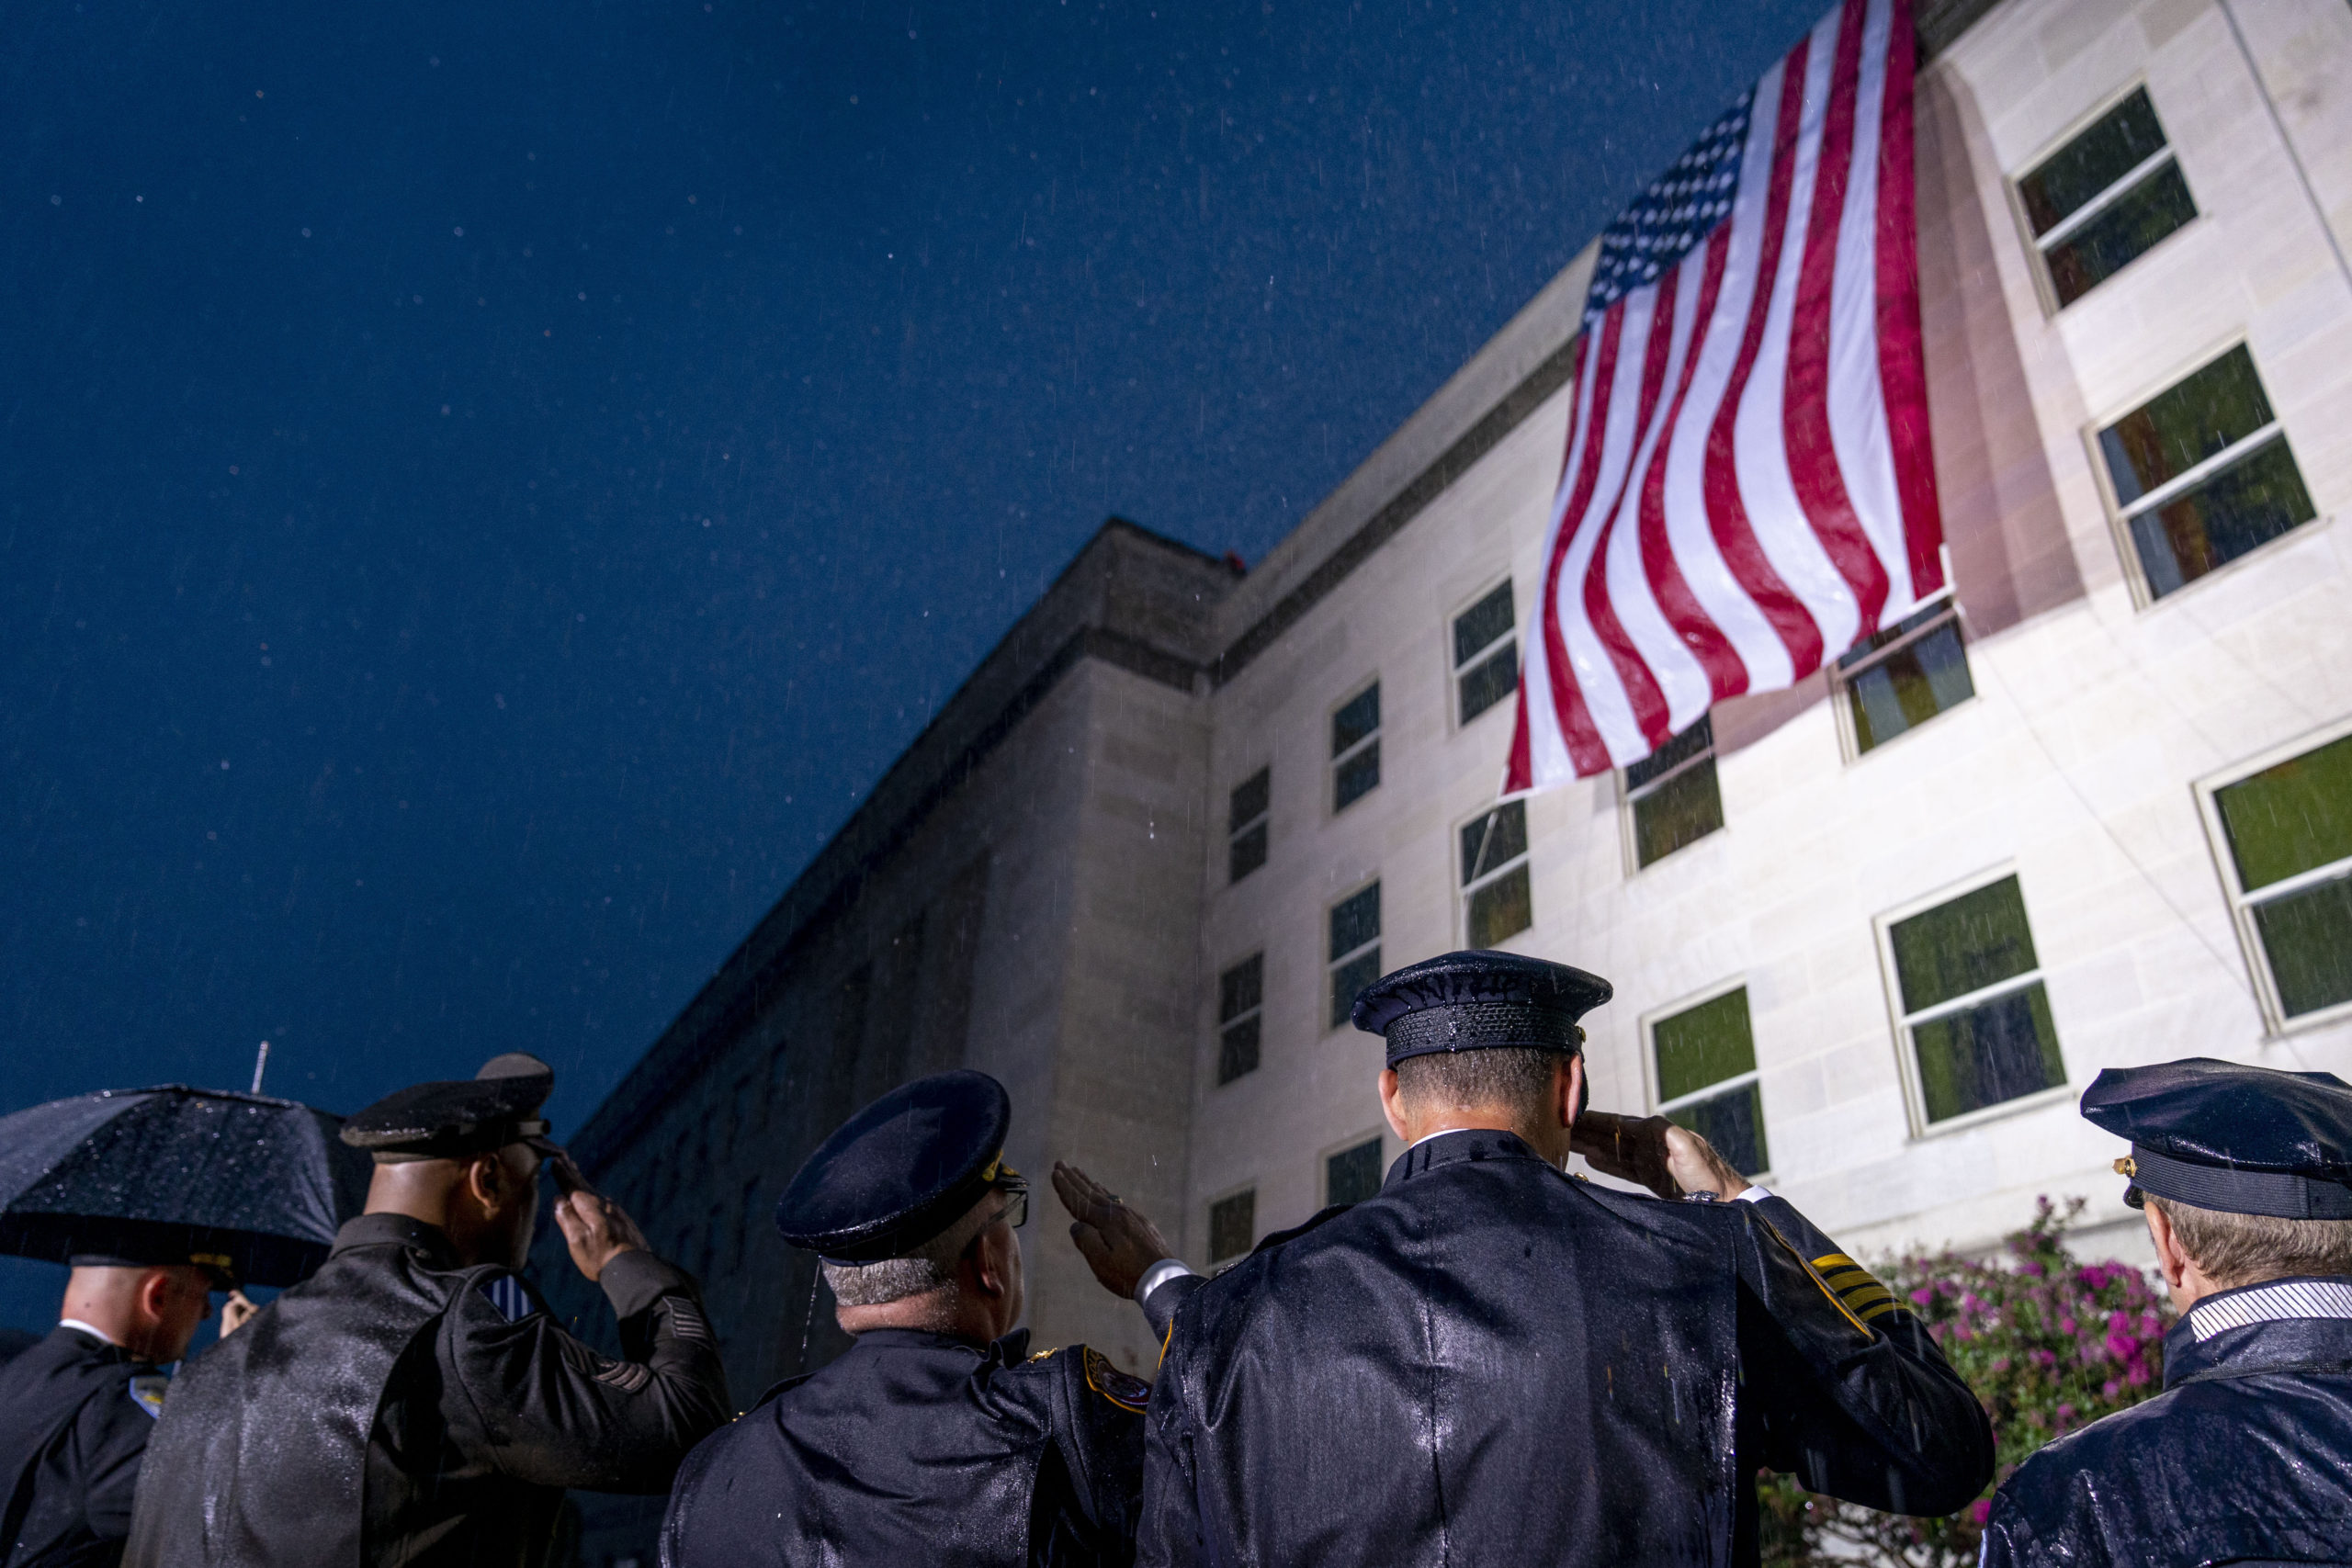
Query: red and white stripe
[[1748, 488]]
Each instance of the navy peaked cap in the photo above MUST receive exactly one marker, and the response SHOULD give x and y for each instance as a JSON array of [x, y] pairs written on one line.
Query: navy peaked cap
[[1480, 1002], [449, 1119], [900, 1171], [2241, 1140]]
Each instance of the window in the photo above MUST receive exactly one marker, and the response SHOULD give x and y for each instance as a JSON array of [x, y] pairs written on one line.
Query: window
[[1897, 680], [1975, 1015], [1672, 796], [2202, 474], [1240, 1001], [1354, 1174], [1245, 825], [1485, 654], [2105, 198], [1496, 899], [1355, 748], [1233, 1225], [1355, 949], [1705, 1058], [2288, 830]]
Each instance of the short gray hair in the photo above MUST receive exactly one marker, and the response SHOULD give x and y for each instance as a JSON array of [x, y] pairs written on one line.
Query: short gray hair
[[1508, 1078], [2246, 1250], [931, 1267]]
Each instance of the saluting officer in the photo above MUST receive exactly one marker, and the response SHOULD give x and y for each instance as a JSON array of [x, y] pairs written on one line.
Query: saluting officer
[[936, 1437], [2244, 1175], [76, 1408], [413, 1402], [1491, 1363]]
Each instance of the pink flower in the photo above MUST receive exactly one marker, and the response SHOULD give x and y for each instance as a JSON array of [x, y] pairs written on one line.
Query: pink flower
[[1980, 1511]]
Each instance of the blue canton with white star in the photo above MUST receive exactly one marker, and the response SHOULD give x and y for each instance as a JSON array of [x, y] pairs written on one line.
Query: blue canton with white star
[[1666, 222], [506, 1293]]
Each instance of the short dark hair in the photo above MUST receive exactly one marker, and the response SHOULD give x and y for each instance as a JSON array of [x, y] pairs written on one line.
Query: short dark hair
[[1506, 1077], [2246, 1250]]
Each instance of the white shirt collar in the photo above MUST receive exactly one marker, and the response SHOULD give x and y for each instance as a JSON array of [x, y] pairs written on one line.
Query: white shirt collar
[[92, 1329]]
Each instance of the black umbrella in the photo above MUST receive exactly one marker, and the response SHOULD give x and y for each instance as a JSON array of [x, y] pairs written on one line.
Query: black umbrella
[[261, 1182]]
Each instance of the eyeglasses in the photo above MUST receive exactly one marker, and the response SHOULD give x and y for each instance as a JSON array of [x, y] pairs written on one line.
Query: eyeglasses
[[1015, 1211]]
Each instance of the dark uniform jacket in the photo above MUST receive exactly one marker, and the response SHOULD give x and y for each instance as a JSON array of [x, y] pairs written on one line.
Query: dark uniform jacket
[[2246, 1457], [75, 1413], [397, 1408], [916, 1448], [1491, 1363]]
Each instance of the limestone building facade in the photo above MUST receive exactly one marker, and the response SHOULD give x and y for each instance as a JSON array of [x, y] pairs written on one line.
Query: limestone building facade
[[1875, 933]]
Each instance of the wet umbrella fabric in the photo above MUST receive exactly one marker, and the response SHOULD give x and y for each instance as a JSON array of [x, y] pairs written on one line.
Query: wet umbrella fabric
[[177, 1172]]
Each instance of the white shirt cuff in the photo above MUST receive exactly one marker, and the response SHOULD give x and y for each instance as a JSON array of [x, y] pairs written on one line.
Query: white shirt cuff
[[1753, 1194], [1158, 1274]]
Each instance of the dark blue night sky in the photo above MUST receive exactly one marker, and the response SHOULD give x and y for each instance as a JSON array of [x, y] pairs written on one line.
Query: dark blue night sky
[[484, 489]]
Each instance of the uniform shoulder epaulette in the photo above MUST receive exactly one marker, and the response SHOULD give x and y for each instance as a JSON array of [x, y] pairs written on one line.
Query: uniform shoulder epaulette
[[1320, 1217], [1126, 1391], [505, 1292], [781, 1388], [147, 1392]]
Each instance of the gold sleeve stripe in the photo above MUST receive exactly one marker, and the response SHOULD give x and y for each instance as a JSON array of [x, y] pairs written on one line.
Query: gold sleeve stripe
[[1857, 1287]]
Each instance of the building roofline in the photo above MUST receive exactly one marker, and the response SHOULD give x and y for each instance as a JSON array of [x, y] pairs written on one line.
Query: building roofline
[[1010, 679]]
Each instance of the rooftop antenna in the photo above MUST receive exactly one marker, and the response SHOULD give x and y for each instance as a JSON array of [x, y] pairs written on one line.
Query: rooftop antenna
[[261, 1064]]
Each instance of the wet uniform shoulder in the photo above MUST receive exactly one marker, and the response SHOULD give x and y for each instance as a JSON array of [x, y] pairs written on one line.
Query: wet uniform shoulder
[[1092, 1372]]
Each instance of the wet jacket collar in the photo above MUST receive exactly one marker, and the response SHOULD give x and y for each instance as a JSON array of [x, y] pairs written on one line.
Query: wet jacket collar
[[2279, 1324], [1453, 1148], [396, 1230]]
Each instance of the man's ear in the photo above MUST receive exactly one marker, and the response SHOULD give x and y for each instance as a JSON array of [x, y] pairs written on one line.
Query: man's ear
[[153, 1297], [488, 1182], [2171, 1262], [988, 1260], [1389, 1102], [1569, 1091]]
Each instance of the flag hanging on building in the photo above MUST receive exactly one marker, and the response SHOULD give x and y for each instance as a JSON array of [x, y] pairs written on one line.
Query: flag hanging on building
[[1748, 488]]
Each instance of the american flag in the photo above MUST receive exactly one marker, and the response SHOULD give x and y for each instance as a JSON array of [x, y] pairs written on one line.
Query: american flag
[[1749, 489]]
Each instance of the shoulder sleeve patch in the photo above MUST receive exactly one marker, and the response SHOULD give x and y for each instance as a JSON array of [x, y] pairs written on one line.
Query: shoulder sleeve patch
[[147, 1392], [505, 1292], [1127, 1392]]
